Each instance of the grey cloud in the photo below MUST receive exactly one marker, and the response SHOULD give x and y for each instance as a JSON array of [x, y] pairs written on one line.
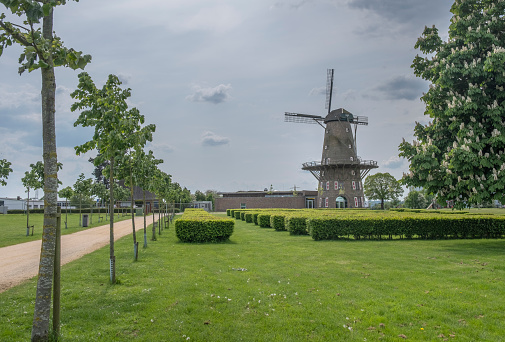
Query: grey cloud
[[290, 4], [393, 163], [403, 11], [318, 91], [214, 95], [124, 78], [402, 88], [211, 139]]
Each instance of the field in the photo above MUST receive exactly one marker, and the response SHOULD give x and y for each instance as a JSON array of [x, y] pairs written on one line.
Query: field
[[265, 285], [13, 226]]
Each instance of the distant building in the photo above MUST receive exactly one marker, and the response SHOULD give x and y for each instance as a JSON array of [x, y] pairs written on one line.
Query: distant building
[[20, 204], [206, 205], [265, 199]]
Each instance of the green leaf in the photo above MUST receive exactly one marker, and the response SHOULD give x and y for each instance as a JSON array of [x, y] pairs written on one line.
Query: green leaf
[[46, 9]]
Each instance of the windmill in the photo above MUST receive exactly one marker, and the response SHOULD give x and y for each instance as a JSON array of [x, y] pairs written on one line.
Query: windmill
[[341, 171]]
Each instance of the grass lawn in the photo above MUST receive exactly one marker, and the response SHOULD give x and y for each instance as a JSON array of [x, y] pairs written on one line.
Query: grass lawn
[[265, 285], [13, 226]]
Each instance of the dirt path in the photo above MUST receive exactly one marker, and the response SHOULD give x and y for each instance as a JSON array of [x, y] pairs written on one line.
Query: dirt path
[[21, 262]]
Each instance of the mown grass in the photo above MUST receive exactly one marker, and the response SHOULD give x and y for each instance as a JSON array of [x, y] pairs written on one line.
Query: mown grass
[[13, 226], [265, 285]]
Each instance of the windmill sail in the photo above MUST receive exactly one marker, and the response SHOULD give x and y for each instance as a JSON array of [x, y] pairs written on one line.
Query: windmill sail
[[302, 118], [329, 89]]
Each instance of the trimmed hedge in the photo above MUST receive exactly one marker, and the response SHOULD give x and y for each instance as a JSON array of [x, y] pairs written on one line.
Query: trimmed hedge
[[296, 225], [264, 220], [332, 224], [277, 222], [196, 225]]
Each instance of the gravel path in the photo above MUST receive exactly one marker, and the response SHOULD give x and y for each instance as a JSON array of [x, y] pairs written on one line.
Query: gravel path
[[21, 262]]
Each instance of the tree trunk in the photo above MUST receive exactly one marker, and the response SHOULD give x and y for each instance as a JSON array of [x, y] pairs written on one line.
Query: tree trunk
[[111, 224], [80, 210], [28, 214], [40, 327], [135, 245], [145, 227], [66, 213], [154, 228], [382, 204]]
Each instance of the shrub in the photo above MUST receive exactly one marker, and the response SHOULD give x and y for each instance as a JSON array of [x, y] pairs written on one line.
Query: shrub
[[264, 220], [296, 225], [196, 225], [277, 222]]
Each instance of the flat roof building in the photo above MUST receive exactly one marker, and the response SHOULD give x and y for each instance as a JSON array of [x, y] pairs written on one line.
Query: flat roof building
[[265, 199]]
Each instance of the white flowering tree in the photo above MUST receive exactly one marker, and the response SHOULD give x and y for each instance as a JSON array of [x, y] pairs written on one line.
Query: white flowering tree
[[459, 155]]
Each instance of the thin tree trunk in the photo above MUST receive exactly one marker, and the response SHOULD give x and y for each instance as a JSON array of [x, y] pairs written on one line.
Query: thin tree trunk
[[66, 213], [145, 227], [111, 224], [135, 245], [40, 327], [28, 214], [154, 228]]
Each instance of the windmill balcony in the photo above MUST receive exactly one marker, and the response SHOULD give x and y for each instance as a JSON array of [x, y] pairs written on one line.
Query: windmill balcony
[[364, 164]]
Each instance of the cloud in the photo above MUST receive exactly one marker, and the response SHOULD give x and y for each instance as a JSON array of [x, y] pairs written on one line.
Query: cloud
[[214, 95], [403, 11], [124, 78], [318, 91], [290, 5], [161, 148], [211, 139], [402, 88], [393, 162]]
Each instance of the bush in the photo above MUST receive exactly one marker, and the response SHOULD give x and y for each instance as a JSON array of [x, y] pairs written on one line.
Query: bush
[[277, 222], [296, 225], [264, 220], [196, 225], [249, 217]]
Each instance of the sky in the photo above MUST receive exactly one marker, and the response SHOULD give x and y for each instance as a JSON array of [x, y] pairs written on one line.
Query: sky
[[216, 77]]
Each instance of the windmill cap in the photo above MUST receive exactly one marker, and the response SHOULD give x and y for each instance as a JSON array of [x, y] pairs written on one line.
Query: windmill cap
[[339, 115]]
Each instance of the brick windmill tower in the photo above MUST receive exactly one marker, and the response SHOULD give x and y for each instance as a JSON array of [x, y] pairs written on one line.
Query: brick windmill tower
[[341, 171]]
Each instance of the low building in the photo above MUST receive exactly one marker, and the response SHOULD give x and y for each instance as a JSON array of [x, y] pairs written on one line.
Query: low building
[[20, 204], [265, 199]]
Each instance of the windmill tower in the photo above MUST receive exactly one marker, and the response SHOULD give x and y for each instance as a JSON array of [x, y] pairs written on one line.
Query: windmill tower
[[341, 171]]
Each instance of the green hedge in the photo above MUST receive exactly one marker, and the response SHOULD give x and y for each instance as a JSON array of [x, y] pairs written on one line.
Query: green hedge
[[296, 225], [249, 217], [426, 227], [196, 225], [277, 222], [264, 220]]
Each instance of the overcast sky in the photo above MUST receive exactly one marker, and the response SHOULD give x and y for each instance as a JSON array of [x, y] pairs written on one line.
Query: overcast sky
[[217, 76]]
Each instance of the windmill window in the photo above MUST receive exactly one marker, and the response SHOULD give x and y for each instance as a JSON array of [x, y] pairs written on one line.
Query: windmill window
[[322, 174], [352, 159], [350, 146], [328, 161], [347, 129], [356, 202], [326, 202], [336, 185], [327, 185], [325, 147], [353, 185], [353, 172]]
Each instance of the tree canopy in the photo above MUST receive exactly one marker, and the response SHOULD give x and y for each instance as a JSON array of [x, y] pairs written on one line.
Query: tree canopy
[[5, 169], [383, 187], [458, 155]]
